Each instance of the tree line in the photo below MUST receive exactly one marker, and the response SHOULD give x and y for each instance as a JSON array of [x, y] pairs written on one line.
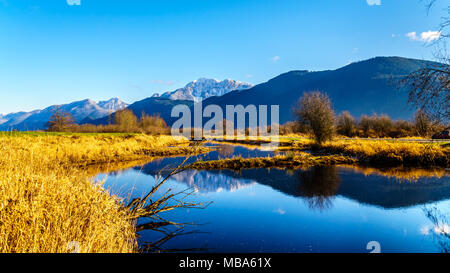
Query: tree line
[[124, 121], [314, 112], [315, 115]]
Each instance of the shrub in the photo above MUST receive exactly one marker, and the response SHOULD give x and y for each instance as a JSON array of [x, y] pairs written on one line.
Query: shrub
[[153, 124], [314, 109], [364, 125], [422, 123], [126, 120], [346, 124], [382, 125]]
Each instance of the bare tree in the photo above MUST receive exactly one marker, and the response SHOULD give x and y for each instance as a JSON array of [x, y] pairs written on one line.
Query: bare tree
[[314, 109], [429, 90], [59, 121], [346, 124], [440, 222], [429, 87], [422, 123], [445, 20]]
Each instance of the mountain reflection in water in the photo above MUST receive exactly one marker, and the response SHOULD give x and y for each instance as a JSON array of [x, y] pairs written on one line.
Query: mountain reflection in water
[[318, 184]]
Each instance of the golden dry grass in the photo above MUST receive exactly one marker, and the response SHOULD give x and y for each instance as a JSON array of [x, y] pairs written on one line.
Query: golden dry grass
[[290, 161], [46, 202], [392, 153], [381, 151]]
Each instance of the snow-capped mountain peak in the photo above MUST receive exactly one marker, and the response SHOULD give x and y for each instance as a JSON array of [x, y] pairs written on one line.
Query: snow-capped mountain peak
[[113, 104], [203, 88]]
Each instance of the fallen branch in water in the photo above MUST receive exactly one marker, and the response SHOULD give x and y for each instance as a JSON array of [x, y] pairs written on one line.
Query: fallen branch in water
[[151, 207], [147, 207]]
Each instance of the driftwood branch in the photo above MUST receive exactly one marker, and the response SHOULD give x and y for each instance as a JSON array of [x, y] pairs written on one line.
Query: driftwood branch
[[152, 206]]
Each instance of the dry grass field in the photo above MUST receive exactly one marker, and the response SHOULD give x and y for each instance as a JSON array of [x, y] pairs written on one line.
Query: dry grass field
[[390, 152], [387, 152], [48, 201]]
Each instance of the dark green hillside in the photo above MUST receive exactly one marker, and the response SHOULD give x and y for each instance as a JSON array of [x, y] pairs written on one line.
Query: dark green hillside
[[364, 87]]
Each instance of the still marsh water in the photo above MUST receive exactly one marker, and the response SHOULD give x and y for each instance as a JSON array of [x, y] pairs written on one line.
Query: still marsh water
[[320, 209]]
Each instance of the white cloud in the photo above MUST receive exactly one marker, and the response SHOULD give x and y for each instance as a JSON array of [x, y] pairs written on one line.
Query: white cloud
[[426, 37], [275, 59], [442, 229], [425, 230], [374, 2], [280, 211], [430, 35], [73, 2], [412, 35]]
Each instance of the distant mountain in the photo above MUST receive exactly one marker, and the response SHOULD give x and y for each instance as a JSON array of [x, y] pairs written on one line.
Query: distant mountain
[[150, 106], [80, 110], [203, 88], [113, 104], [364, 87], [15, 118]]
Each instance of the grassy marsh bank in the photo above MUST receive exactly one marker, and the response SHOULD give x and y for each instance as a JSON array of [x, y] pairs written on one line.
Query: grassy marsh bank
[[383, 152], [387, 152], [290, 161], [49, 201]]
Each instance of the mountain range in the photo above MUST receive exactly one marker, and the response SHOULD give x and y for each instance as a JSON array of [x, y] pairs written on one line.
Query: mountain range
[[203, 88], [79, 110], [365, 87]]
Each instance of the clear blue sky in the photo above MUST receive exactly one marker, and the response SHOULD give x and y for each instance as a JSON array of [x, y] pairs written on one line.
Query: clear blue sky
[[54, 53]]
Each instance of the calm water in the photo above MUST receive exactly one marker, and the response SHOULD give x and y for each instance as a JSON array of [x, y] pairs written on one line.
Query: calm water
[[321, 209]]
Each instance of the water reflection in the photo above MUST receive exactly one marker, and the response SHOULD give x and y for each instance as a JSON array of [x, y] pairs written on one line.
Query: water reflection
[[319, 209], [159, 245], [319, 185], [440, 229], [225, 151]]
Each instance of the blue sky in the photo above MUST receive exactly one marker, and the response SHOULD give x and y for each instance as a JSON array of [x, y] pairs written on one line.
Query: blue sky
[[53, 53]]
